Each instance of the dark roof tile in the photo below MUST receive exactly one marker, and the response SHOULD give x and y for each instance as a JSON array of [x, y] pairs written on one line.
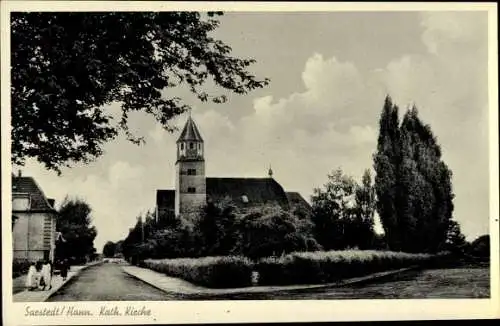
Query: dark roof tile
[[296, 200], [28, 185], [258, 191], [190, 132]]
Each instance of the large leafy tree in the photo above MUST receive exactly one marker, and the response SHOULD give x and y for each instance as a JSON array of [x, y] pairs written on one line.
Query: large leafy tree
[[217, 229], [74, 221], [455, 240], [271, 231], [67, 65], [365, 212], [333, 211], [109, 249]]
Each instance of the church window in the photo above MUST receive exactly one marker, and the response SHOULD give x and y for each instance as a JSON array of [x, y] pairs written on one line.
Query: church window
[[191, 190], [191, 171], [191, 145]]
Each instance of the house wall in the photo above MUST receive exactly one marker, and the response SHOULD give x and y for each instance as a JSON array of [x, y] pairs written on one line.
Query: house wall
[[34, 236]]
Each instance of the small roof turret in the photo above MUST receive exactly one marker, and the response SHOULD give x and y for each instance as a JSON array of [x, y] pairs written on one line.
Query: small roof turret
[[190, 132]]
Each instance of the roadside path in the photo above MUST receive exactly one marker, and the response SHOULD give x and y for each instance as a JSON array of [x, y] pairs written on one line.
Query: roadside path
[[57, 283]]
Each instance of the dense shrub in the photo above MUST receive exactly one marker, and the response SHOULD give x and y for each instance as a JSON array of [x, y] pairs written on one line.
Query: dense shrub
[[20, 267], [480, 247], [331, 266], [214, 272]]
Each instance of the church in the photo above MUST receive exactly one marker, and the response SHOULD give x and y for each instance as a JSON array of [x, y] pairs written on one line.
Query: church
[[193, 189]]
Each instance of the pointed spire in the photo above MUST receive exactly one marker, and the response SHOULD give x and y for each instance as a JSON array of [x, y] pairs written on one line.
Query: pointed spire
[[190, 131]]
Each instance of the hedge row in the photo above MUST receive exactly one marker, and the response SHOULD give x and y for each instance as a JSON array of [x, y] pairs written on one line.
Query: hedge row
[[332, 266], [214, 272], [296, 268]]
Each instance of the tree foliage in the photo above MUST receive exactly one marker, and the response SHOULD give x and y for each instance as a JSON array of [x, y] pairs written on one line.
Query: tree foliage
[[74, 221], [220, 230], [216, 229], [109, 249], [343, 213], [455, 240], [365, 212], [480, 247], [413, 184], [67, 65], [272, 231], [386, 164]]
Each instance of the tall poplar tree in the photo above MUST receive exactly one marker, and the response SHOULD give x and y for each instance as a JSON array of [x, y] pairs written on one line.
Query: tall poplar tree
[[386, 165], [413, 184]]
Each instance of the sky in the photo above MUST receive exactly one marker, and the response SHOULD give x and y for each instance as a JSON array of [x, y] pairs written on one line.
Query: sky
[[330, 73]]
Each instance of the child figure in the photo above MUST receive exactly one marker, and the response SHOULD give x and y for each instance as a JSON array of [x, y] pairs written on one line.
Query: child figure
[[47, 275], [39, 281], [31, 280]]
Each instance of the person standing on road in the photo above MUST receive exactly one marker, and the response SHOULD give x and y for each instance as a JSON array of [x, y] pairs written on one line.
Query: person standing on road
[[31, 281], [47, 275], [64, 269], [39, 281]]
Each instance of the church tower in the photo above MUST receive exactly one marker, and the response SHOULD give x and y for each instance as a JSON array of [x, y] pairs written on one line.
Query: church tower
[[190, 184]]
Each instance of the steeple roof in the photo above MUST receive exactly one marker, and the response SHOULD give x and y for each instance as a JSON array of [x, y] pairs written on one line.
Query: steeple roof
[[190, 132]]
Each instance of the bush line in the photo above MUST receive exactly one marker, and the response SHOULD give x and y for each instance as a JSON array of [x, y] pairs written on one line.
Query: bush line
[[295, 268]]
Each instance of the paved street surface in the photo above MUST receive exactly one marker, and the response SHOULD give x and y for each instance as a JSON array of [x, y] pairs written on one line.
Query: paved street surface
[[108, 282]]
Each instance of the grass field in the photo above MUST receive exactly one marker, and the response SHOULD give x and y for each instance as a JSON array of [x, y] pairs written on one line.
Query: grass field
[[467, 282]]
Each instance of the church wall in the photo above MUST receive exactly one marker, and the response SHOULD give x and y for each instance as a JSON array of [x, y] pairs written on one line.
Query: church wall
[[192, 203], [186, 201]]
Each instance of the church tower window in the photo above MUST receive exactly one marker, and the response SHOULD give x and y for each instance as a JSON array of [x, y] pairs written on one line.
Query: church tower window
[[191, 145]]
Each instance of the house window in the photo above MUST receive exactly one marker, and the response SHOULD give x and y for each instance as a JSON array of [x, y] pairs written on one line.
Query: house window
[[191, 190], [21, 203], [191, 171]]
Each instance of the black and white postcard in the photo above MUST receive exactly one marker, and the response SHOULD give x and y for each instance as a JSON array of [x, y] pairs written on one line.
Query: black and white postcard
[[222, 162]]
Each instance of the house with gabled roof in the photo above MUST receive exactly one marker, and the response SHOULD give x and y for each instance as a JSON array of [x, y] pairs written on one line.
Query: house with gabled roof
[[33, 221], [194, 190]]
